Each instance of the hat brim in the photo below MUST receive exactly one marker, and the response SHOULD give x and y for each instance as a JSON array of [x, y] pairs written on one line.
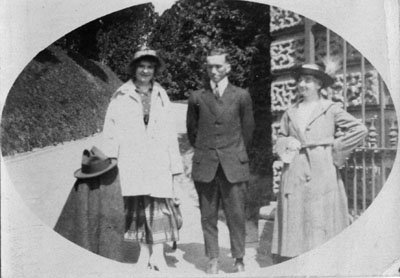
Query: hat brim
[[325, 78], [159, 61], [79, 175]]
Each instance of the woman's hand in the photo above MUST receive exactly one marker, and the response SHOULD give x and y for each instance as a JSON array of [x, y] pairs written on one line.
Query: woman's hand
[[293, 145], [287, 148], [176, 181]]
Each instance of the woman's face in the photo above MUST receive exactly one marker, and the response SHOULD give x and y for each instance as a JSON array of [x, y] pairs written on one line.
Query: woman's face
[[145, 71], [308, 85]]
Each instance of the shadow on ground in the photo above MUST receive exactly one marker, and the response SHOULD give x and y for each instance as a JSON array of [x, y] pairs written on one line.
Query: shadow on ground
[[193, 253], [130, 252]]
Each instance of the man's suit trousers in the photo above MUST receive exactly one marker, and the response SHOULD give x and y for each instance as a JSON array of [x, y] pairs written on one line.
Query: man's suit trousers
[[232, 198]]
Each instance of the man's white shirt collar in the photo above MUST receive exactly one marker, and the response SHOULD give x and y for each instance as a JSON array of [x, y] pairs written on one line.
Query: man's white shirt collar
[[221, 85]]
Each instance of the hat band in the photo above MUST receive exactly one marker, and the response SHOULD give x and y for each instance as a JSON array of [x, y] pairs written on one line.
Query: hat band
[[96, 167]]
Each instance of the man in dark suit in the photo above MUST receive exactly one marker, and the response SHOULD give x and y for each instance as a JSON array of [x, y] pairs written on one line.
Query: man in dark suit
[[220, 125]]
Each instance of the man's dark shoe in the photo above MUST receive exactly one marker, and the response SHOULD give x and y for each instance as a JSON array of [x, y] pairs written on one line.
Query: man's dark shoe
[[212, 266], [239, 265]]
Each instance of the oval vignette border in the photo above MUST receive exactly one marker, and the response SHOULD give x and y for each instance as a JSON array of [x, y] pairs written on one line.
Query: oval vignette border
[[387, 201]]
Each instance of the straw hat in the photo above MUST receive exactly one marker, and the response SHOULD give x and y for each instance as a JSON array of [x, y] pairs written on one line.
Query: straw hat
[[145, 52], [314, 70]]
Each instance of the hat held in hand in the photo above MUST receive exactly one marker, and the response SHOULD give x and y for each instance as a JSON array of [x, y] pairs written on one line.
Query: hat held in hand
[[94, 163]]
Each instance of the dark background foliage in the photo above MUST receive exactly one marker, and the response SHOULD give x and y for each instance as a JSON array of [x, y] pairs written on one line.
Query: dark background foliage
[[43, 109], [113, 39], [186, 32]]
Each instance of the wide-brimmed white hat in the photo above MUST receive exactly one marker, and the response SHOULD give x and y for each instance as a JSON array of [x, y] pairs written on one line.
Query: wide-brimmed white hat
[[314, 70]]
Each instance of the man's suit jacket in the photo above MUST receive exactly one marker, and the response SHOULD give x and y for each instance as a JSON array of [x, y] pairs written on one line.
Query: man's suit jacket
[[220, 130]]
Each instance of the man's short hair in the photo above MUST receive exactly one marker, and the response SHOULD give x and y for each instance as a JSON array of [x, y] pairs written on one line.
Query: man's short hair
[[219, 51]]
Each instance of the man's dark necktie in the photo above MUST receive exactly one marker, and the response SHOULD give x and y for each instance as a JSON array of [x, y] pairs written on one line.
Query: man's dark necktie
[[216, 92]]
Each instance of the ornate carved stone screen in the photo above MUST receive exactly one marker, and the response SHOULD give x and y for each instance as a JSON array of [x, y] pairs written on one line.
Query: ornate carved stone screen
[[358, 87]]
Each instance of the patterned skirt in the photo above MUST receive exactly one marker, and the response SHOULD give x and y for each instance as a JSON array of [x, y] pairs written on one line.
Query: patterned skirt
[[150, 220]]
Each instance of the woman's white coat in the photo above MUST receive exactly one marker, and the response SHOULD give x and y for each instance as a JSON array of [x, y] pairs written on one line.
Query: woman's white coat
[[147, 156]]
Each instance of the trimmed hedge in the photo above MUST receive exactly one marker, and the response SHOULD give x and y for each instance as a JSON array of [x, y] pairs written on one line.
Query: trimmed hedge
[[58, 97]]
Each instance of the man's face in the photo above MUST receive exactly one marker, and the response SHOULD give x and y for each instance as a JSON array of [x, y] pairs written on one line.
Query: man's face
[[217, 67]]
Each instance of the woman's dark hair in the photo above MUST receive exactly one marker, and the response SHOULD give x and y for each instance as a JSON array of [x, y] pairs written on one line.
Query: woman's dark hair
[[318, 80]]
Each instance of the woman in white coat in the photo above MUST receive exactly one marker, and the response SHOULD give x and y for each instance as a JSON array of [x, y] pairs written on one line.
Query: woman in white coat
[[139, 130]]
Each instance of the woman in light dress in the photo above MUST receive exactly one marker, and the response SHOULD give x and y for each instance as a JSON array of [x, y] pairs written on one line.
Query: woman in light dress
[[139, 130], [312, 203]]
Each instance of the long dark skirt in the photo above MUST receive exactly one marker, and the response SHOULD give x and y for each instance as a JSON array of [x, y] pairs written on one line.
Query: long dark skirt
[[150, 220], [93, 215]]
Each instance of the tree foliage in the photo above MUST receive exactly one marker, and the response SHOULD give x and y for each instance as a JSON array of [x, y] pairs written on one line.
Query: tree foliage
[[122, 34], [190, 28], [113, 39]]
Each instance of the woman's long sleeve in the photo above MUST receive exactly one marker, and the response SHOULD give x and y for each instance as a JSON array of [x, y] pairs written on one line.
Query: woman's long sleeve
[[109, 143], [176, 165], [354, 132], [282, 137]]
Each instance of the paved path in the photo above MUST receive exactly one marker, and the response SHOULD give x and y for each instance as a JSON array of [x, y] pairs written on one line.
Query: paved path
[[44, 178]]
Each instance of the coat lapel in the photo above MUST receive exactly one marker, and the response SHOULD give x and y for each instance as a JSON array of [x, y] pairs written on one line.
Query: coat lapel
[[210, 100], [317, 112], [157, 105], [293, 119], [129, 89], [227, 99]]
